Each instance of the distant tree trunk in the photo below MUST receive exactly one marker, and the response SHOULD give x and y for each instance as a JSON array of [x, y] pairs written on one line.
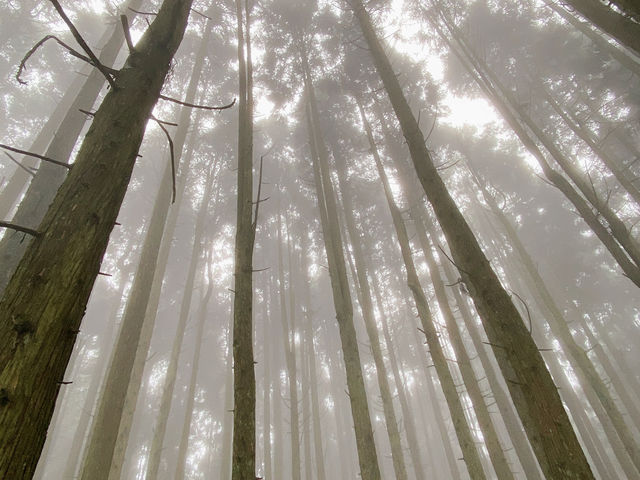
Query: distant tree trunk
[[367, 456], [366, 305], [47, 180], [408, 417], [227, 421], [603, 45], [155, 452], [502, 99], [44, 301], [306, 412], [584, 369], [313, 376], [530, 384], [181, 462], [278, 437], [621, 28], [266, 358], [244, 421], [470, 454], [289, 354]]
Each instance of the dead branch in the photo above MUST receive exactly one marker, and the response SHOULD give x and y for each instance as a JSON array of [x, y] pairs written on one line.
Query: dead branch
[[527, 309], [41, 157], [33, 49], [19, 228], [143, 13], [127, 33], [258, 202], [173, 159], [83, 44], [201, 14], [30, 171], [192, 105]]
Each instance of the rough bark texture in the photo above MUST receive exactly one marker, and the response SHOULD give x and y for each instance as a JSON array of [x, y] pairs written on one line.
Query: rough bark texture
[[47, 180], [367, 456], [244, 421], [44, 302], [531, 386]]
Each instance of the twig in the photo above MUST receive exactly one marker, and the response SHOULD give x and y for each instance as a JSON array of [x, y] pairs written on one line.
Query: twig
[[173, 159], [258, 202], [26, 169], [127, 33], [449, 258], [19, 228], [41, 157], [201, 14], [83, 44], [526, 307], [203, 107]]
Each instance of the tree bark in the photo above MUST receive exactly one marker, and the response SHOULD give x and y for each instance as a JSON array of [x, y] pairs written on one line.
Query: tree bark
[[44, 302], [531, 386]]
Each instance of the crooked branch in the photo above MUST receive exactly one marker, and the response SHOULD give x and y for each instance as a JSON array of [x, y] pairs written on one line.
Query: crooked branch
[[41, 157], [193, 105], [173, 159], [83, 44]]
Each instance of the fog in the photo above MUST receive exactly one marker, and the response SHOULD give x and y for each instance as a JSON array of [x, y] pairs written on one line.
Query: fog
[[319, 240]]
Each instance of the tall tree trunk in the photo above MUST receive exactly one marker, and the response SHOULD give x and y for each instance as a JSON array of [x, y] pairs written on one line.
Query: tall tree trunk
[[631, 270], [531, 386], [155, 452], [108, 441], [470, 454], [366, 305], [244, 384], [621, 28], [313, 376], [367, 456], [289, 353], [266, 358], [181, 462], [44, 302], [583, 367], [227, 419], [49, 177], [278, 437]]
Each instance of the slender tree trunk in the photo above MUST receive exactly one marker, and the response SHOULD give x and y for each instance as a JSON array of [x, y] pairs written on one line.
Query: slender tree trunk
[[244, 443], [470, 454], [306, 413], [61, 264], [367, 456], [621, 28], [531, 386], [266, 355], [181, 462], [278, 437], [49, 177], [227, 422], [366, 305], [630, 269], [290, 355], [155, 452]]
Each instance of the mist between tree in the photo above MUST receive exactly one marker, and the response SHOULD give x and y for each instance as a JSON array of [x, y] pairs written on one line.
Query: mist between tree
[[276, 239]]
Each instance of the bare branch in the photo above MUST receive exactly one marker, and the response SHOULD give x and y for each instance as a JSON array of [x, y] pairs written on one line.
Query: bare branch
[[258, 202], [203, 107], [527, 308], [173, 159], [201, 14], [143, 13], [127, 33], [41, 157], [83, 44], [19, 228]]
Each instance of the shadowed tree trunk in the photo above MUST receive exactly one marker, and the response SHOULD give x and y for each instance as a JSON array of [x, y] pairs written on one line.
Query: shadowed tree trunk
[[38, 324], [244, 384], [531, 386]]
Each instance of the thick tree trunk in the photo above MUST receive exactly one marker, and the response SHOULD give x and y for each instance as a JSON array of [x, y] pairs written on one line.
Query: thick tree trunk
[[621, 28], [47, 180], [107, 446], [44, 302], [244, 385], [366, 305], [367, 456], [531, 386]]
